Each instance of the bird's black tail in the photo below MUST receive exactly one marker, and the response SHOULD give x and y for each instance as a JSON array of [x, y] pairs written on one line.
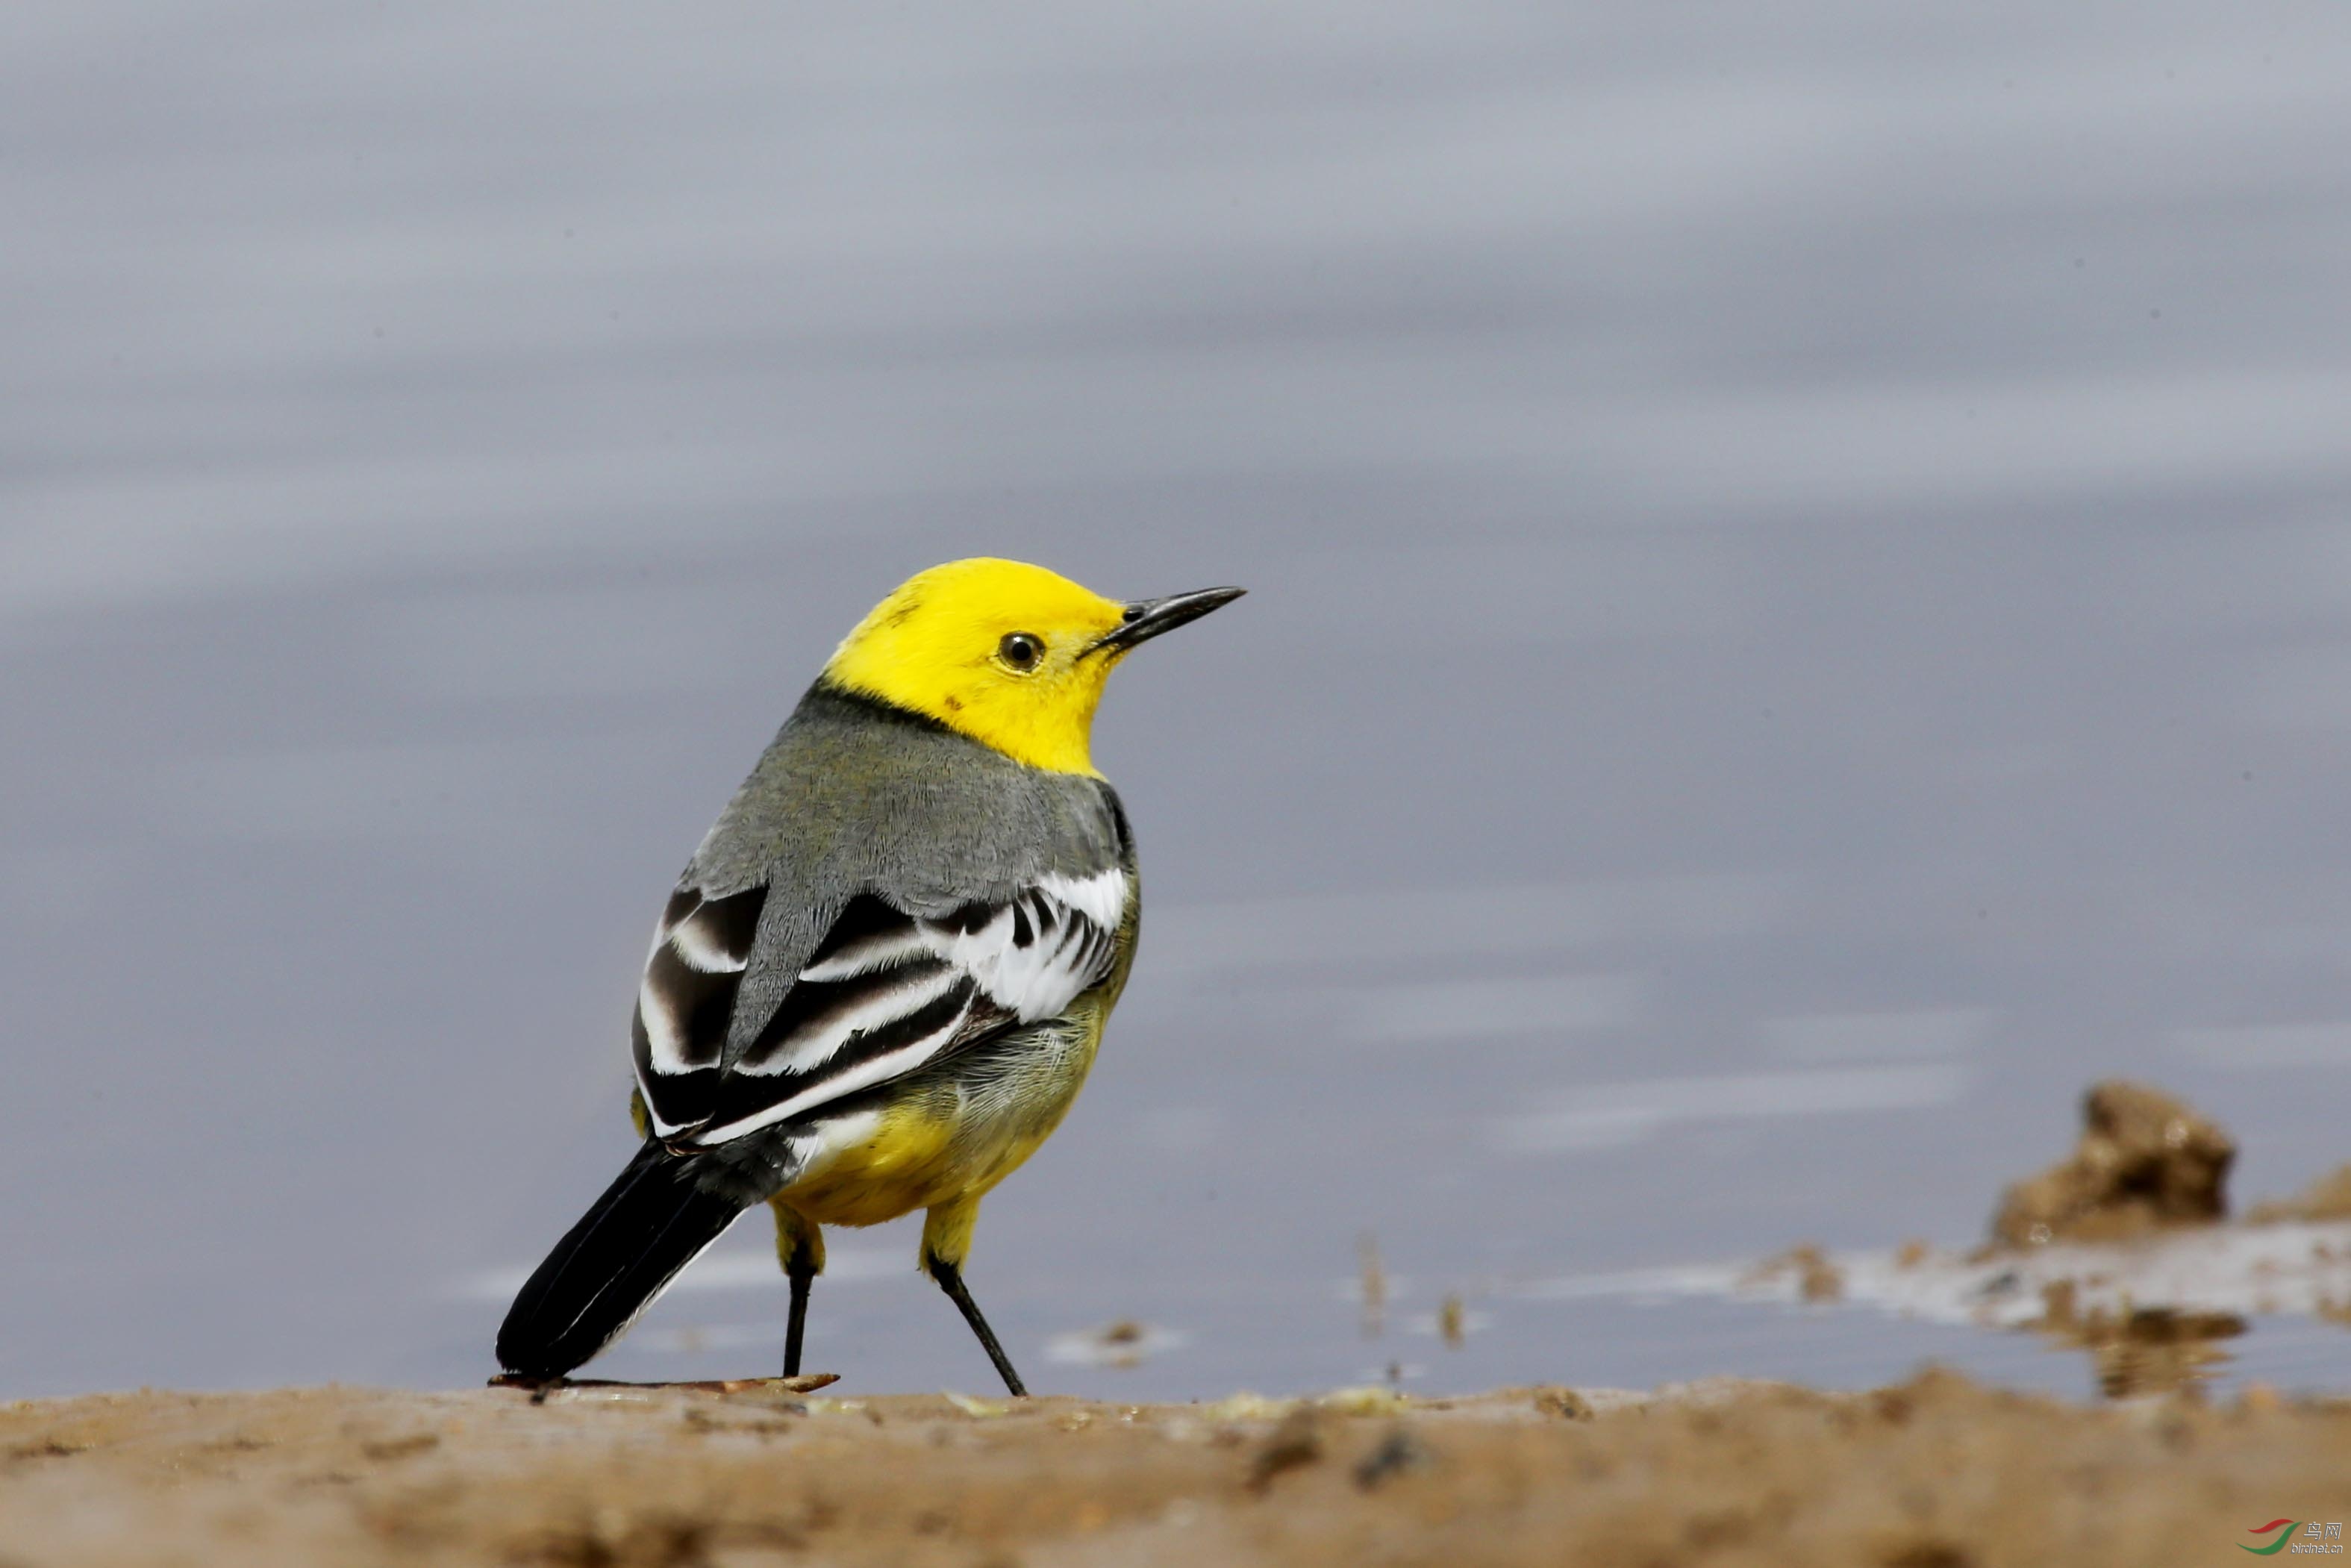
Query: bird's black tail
[[650, 1222]]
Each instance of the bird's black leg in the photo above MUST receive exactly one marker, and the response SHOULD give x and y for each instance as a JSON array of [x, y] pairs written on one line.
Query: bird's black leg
[[802, 1272], [950, 1280], [799, 1247]]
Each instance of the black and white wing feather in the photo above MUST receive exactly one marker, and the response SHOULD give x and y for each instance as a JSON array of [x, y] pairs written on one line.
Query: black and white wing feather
[[887, 989]]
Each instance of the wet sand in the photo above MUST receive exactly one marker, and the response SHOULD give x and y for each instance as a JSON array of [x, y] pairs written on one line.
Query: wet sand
[[1936, 1473]]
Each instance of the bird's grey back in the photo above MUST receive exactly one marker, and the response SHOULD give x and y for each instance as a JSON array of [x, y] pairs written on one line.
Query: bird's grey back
[[856, 796]]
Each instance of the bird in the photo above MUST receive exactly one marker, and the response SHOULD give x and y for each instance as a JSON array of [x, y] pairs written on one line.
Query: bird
[[883, 977]]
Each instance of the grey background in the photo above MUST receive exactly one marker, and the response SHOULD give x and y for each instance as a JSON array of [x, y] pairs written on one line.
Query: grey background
[[1801, 568]]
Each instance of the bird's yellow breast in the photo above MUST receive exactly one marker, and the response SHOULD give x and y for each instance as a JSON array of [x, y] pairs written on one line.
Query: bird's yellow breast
[[954, 1139], [907, 1160]]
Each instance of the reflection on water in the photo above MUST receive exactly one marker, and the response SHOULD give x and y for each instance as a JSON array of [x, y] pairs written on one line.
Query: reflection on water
[[2146, 1350], [1801, 587]]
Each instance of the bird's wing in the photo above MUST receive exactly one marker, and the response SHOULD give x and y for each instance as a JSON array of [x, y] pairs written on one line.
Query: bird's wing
[[887, 989]]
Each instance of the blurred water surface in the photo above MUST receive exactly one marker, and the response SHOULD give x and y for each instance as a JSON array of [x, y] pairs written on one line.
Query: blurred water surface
[[1802, 610]]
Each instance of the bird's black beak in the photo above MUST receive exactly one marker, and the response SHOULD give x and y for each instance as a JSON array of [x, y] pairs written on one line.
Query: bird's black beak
[[1147, 618]]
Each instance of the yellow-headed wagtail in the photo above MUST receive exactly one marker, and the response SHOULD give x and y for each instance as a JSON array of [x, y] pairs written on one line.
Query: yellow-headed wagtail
[[883, 975]]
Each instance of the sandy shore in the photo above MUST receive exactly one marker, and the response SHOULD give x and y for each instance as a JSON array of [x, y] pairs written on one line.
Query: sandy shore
[[2123, 1248], [1936, 1473]]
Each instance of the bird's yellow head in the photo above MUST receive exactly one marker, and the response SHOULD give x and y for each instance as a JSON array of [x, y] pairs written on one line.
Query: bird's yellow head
[[1010, 655]]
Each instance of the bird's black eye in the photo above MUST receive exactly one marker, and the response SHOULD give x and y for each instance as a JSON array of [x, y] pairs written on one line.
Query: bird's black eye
[[1020, 651]]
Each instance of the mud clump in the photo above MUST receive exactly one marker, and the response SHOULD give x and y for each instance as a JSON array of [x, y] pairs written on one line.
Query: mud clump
[[2146, 1161], [1562, 1403], [1297, 1441], [1817, 1276], [2327, 1198]]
